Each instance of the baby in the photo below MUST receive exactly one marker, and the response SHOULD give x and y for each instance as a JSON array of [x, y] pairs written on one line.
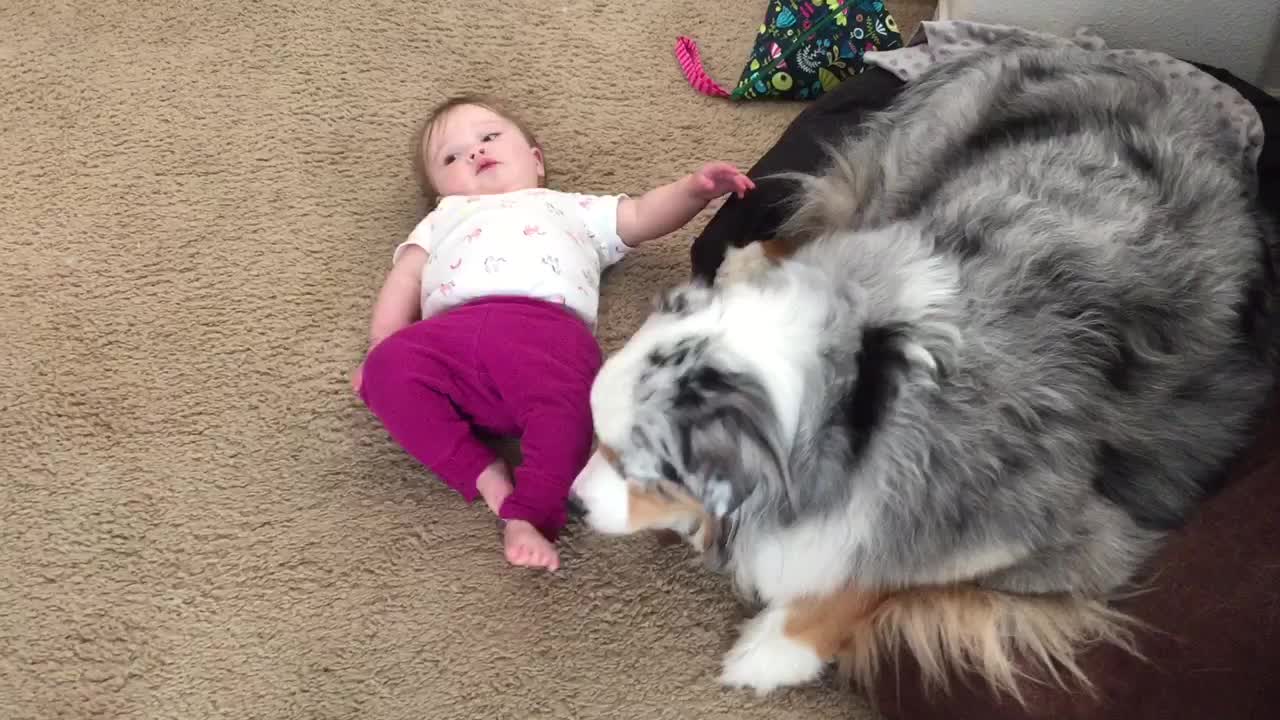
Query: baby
[[486, 319]]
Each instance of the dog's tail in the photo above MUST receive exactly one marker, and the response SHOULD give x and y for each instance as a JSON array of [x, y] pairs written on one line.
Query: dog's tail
[[995, 636], [833, 197]]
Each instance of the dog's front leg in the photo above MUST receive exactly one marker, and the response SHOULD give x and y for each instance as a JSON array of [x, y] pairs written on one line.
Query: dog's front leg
[[767, 657], [790, 643]]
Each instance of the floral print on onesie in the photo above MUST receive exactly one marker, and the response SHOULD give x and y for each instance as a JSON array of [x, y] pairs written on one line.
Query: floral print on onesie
[[535, 243]]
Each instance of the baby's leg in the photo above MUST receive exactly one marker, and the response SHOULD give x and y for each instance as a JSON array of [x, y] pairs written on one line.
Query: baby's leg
[[543, 366], [418, 382], [555, 443]]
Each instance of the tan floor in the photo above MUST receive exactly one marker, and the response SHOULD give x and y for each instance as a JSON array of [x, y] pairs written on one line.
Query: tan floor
[[196, 519]]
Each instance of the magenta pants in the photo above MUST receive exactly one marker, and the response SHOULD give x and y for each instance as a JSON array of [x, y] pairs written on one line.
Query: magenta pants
[[510, 366]]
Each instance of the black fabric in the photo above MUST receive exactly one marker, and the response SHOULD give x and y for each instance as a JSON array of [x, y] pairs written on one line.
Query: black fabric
[[1269, 163], [799, 149], [756, 217]]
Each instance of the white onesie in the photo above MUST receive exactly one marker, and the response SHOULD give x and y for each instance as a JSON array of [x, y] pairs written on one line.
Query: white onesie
[[536, 243]]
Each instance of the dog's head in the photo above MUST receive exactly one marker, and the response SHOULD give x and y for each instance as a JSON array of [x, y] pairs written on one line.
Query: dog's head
[[687, 429], [699, 414]]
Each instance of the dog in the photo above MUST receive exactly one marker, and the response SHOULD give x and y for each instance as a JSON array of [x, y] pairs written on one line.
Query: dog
[[1009, 338]]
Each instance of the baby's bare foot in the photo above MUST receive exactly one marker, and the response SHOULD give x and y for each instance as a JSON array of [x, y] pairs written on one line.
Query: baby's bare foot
[[526, 547], [494, 484]]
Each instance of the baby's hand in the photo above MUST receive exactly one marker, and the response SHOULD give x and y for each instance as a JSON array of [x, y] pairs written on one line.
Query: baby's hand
[[717, 178]]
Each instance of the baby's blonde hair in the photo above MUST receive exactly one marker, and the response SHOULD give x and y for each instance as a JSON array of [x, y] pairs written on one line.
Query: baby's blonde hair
[[425, 129]]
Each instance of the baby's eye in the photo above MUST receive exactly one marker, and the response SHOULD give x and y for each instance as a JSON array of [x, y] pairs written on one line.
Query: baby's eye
[[448, 159], [489, 137]]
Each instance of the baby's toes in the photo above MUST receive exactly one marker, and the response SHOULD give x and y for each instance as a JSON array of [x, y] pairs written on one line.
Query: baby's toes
[[523, 555], [515, 553], [548, 557]]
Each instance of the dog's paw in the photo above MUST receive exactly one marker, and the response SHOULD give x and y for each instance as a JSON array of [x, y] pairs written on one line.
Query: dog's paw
[[765, 659]]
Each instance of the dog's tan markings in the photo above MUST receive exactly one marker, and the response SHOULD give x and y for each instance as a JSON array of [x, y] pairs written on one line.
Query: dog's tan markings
[[776, 248], [652, 508], [997, 636], [658, 509], [609, 454], [827, 623], [710, 531]]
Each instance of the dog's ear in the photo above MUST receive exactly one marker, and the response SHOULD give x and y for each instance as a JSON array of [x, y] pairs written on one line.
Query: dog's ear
[[731, 443], [889, 359]]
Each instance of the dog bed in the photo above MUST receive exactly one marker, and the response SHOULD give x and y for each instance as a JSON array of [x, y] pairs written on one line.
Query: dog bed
[[1212, 597]]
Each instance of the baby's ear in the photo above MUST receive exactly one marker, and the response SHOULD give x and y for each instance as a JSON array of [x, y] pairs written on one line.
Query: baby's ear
[[537, 155]]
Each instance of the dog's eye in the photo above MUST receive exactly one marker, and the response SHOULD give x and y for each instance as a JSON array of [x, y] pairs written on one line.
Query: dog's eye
[[669, 472], [647, 474]]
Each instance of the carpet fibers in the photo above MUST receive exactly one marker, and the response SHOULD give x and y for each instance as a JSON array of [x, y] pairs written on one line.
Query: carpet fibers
[[197, 519]]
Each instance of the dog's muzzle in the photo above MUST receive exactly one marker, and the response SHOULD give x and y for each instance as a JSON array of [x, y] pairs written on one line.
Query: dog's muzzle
[[602, 494]]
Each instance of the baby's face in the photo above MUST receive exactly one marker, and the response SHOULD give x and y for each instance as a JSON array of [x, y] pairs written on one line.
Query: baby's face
[[475, 151]]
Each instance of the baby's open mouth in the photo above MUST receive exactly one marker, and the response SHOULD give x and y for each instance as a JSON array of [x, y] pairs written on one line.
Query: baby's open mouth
[[485, 165]]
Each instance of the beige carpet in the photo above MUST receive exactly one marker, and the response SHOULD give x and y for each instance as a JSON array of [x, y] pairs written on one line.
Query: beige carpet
[[197, 520]]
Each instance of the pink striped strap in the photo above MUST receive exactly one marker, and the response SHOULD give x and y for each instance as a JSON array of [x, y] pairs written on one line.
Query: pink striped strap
[[691, 64]]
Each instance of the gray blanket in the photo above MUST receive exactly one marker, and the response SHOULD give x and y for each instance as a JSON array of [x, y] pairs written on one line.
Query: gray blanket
[[940, 41]]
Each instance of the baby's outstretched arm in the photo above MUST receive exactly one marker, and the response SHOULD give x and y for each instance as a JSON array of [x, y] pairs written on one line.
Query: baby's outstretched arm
[[667, 208], [398, 301]]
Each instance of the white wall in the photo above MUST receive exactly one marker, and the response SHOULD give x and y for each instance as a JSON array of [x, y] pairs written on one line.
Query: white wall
[[1235, 35]]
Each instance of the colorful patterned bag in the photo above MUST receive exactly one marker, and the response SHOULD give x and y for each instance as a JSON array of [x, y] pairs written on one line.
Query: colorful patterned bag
[[803, 49]]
